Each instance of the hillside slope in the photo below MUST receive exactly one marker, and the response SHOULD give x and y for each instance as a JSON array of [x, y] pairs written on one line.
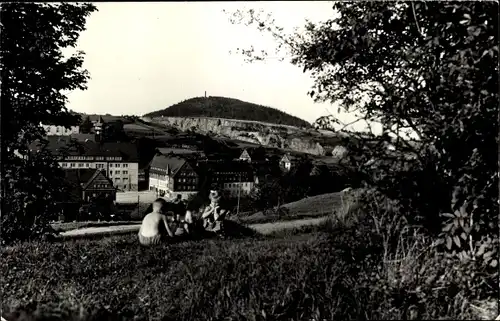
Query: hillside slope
[[230, 108]]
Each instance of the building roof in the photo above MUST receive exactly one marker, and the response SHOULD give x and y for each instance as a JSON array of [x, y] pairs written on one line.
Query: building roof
[[255, 153], [178, 151], [230, 166], [74, 179], [97, 173], [79, 175], [57, 145], [83, 137], [172, 164]]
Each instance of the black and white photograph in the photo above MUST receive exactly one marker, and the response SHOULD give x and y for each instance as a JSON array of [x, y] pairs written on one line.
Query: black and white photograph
[[249, 160]]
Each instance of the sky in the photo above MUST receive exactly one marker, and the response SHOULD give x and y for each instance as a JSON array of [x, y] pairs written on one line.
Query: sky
[[146, 56]]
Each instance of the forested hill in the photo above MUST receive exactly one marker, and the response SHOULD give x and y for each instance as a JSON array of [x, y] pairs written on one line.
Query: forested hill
[[222, 107]]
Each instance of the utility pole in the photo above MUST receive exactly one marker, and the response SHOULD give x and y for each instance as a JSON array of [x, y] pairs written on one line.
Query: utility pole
[[239, 192]]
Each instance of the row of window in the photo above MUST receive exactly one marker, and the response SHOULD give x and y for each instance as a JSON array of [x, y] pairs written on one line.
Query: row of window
[[231, 179], [234, 185], [118, 172], [90, 158], [100, 186], [87, 165], [118, 165]]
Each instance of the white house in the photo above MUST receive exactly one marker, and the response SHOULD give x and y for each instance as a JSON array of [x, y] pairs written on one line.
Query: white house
[[170, 176], [119, 160], [53, 130], [286, 162], [236, 178]]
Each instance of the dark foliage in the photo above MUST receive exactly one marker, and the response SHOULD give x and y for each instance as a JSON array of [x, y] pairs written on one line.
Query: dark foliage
[[86, 126], [222, 107], [34, 76], [429, 68]]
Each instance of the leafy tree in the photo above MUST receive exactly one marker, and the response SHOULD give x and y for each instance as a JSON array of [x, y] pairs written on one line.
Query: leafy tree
[[425, 68], [35, 75], [86, 126], [114, 131]]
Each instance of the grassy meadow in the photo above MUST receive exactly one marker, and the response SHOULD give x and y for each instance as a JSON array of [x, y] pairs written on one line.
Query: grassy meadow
[[346, 268]]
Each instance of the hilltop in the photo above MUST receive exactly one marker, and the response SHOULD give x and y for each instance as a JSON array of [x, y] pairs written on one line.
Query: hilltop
[[229, 108]]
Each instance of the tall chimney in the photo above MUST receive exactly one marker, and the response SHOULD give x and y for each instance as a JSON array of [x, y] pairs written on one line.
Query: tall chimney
[[205, 94]]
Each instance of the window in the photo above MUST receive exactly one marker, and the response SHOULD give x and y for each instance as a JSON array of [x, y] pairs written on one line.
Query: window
[[110, 172], [110, 165], [125, 165], [72, 165], [117, 179], [117, 172], [125, 172], [117, 165], [80, 164], [100, 165], [125, 179], [87, 165]]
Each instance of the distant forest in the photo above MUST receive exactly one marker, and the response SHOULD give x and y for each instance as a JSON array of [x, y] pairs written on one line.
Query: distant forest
[[222, 107]]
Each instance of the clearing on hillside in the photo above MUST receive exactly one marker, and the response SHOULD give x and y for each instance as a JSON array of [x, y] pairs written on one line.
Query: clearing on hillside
[[314, 206]]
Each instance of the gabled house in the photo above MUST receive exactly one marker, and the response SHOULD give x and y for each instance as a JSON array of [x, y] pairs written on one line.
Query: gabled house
[[287, 161], [235, 178], [253, 155], [99, 186], [89, 184], [170, 176]]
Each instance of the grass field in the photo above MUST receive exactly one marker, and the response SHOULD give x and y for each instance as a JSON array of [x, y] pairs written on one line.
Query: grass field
[[315, 273], [315, 206]]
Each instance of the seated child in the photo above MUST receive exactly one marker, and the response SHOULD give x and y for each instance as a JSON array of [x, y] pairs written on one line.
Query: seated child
[[154, 227]]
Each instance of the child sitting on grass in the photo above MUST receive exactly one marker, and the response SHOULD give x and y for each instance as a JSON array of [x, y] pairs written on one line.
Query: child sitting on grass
[[183, 225], [154, 228]]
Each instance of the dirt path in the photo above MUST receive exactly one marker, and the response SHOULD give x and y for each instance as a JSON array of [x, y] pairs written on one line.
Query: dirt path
[[264, 228]]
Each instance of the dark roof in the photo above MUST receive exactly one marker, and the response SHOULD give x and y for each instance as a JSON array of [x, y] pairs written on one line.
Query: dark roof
[[228, 166], [124, 149], [178, 151], [74, 179], [256, 154], [83, 137], [96, 173], [54, 143], [100, 120], [170, 163], [80, 175]]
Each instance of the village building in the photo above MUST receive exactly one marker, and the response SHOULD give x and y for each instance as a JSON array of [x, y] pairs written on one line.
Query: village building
[[91, 184], [287, 161], [54, 130], [253, 155], [170, 176], [183, 152], [119, 161], [234, 178], [84, 186]]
